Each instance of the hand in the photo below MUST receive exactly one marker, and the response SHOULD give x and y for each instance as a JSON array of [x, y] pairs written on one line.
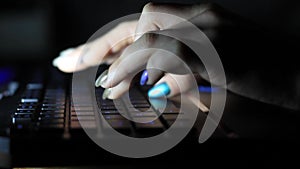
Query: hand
[[143, 51], [248, 50], [206, 16]]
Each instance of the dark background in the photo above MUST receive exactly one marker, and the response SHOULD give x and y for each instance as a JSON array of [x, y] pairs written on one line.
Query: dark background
[[38, 30]]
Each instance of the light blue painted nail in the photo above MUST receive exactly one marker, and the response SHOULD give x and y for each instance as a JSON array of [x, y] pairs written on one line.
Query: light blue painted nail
[[144, 78], [160, 90]]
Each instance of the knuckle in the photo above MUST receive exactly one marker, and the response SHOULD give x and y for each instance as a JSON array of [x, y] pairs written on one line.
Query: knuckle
[[150, 7], [150, 38], [208, 6]]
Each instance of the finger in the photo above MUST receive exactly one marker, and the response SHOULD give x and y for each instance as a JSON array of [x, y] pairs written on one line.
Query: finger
[[97, 51], [154, 75], [176, 84], [167, 61], [170, 55], [112, 42], [124, 67], [68, 59], [118, 90], [132, 61], [160, 61], [135, 57], [171, 85]]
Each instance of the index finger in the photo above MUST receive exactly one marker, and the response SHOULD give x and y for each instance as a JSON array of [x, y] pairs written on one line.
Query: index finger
[[97, 51]]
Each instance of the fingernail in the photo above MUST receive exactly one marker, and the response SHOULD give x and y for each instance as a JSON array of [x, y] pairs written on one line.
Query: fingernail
[[160, 90], [106, 93], [101, 79], [144, 78], [55, 62], [61, 55], [66, 52], [207, 89]]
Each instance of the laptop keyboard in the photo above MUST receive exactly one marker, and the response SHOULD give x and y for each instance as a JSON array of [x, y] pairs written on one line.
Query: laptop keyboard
[[50, 108], [40, 108]]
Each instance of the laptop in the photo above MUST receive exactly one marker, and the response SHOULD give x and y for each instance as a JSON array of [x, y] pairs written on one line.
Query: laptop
[[52, 121]]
